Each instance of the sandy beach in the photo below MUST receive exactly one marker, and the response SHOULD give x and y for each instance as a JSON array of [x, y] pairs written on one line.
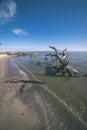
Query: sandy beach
[[33, 108]]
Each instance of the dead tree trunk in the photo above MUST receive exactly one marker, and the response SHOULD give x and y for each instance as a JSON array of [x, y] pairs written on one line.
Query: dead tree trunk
[[61, 63]]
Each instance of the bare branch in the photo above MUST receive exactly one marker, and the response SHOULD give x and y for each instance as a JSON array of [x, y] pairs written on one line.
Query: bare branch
[[61, 62], [56, 51]]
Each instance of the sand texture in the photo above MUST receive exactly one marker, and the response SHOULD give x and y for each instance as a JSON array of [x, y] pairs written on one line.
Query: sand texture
[[33, 108]]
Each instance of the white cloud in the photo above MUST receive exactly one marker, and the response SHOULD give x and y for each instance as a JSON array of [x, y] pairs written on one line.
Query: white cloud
[[7, 10], [19, 31]]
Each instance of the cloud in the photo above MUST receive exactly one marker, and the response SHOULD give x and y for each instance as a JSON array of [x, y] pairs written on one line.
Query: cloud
[[7, 10], [19, 31]]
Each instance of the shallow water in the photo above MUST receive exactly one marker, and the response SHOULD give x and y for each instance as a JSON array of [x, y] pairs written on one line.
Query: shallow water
[[35, 108], [71, 91], [78, 60]]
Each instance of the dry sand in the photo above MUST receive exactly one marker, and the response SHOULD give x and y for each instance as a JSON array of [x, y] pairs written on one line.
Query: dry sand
[[3, 66], [34, 108]]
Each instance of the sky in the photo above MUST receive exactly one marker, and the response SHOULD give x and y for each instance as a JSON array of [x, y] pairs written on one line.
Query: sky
[[35, 24]]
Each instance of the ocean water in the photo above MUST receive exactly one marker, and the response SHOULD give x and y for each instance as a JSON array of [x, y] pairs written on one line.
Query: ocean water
[[71, 91], [77, 60]]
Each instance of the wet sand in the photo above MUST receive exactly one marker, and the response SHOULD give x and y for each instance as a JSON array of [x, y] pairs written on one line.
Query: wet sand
[[32, 109]]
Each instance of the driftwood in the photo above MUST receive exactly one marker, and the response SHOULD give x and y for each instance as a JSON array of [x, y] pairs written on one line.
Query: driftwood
[[23, 81], [62, 65]]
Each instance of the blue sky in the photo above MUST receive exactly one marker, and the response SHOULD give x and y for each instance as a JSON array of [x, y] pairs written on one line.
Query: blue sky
[[36, 24]]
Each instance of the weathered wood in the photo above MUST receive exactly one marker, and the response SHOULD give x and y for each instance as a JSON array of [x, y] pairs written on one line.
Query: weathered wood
[[61, 62], [24, 81]]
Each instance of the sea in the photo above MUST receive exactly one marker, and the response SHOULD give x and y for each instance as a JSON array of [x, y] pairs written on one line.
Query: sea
[[38, 64], [69, 90]]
